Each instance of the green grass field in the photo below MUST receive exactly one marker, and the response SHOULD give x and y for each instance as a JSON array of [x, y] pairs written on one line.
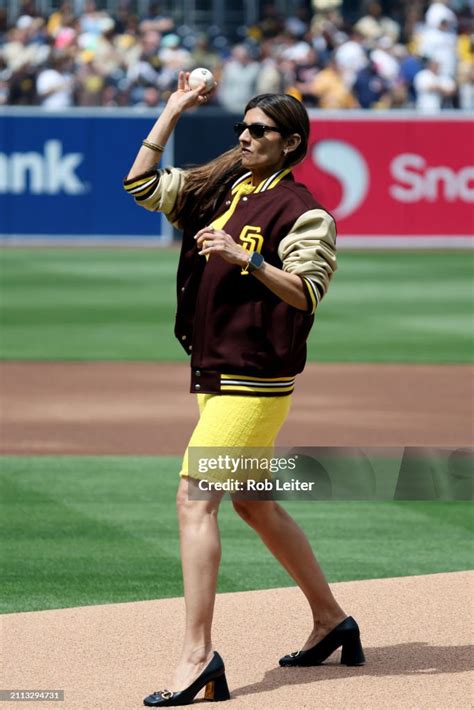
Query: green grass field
[[119, 304], [92, 530]]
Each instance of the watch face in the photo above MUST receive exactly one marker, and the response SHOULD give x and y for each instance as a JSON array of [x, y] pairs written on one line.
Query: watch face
[[256, 261]]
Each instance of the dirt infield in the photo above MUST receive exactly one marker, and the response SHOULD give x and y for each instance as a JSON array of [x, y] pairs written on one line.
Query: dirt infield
[[416, 632], [146, 408]]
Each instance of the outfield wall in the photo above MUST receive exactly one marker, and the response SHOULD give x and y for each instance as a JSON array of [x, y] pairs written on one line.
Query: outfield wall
[[391, 179]]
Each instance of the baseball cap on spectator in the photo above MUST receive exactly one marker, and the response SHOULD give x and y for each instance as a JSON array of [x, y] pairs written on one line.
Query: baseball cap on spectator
[[170, 41], [295, 26], [24, 22], [107, 24], [437, 13], [368, 27]]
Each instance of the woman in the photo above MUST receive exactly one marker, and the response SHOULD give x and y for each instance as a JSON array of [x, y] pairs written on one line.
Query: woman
[[257, 256]]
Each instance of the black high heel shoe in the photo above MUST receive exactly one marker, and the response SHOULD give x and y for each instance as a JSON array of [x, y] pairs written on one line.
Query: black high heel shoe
[[213, 677], [345, 634]]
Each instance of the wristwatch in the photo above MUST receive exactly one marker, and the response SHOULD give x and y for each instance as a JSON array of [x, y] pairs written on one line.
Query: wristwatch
[[255, 262]]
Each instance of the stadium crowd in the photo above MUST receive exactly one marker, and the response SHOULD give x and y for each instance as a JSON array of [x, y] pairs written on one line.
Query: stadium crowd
[[420, 57]]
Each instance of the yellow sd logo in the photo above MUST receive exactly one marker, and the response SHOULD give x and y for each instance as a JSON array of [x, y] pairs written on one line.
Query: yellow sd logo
[[251, 239]]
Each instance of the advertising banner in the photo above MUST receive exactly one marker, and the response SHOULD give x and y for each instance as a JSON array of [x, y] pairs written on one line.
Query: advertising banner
[[392, 179], [61, 176], [407, 178]]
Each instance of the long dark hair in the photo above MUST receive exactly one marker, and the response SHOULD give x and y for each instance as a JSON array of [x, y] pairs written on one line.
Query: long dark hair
[[206, 185]]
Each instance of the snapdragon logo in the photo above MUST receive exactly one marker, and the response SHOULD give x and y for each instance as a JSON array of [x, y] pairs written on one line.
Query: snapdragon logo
[[416, 180], [348, 166], [47, 173]]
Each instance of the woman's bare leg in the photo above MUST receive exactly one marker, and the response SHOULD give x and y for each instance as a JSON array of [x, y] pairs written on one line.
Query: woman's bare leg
[[200, 557], [288, 543]]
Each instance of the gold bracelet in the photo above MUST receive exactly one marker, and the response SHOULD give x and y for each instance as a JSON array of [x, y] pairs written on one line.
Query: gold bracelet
[[153, 146], [245, 269]]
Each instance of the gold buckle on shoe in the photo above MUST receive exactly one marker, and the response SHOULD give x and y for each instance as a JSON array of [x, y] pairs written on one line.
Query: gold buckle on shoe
[[166, 694]]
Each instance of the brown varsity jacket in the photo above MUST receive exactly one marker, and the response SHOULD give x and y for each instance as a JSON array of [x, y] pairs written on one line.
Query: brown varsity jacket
[[242, 338]]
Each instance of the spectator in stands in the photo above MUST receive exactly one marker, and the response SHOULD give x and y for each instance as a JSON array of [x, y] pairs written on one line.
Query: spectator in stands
[[55, 84], [5, 84], [93, 21], [327, 35], [135, 58], [271, 23], [375, 25], [438, 12], [385, 61], [432, 89], [440, 44], [25, 45], [203, 56], [466, 86], [239, 79], [305, 72], [106, 54], [410, 65], [330, 90], [466, 73], [145, 70], [20, 85], [172, 55], [350, 58], [63, 17], [3, 23], [90, 81], [370, 88], [296, 49], [271, 78]]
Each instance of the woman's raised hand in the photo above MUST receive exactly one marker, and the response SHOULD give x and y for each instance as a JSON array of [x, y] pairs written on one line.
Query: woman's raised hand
[[180, 100], [184, 97]]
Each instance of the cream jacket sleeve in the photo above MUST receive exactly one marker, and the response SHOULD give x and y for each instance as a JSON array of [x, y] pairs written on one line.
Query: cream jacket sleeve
[[157, 190], [309, 250]]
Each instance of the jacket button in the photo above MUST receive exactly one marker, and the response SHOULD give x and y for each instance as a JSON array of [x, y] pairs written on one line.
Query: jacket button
[[183, 337], [198, 373], [227, 202], [182, 289], [245, 199], [197, 387]]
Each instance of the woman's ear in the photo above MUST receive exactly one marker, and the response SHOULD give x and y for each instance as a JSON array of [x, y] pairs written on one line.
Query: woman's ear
[[292, 142]]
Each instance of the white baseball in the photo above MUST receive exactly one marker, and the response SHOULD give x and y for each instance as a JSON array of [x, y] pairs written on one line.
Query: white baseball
[[199, 76]]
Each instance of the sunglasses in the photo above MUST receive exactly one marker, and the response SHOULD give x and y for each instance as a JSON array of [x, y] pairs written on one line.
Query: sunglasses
[[256, 130]]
